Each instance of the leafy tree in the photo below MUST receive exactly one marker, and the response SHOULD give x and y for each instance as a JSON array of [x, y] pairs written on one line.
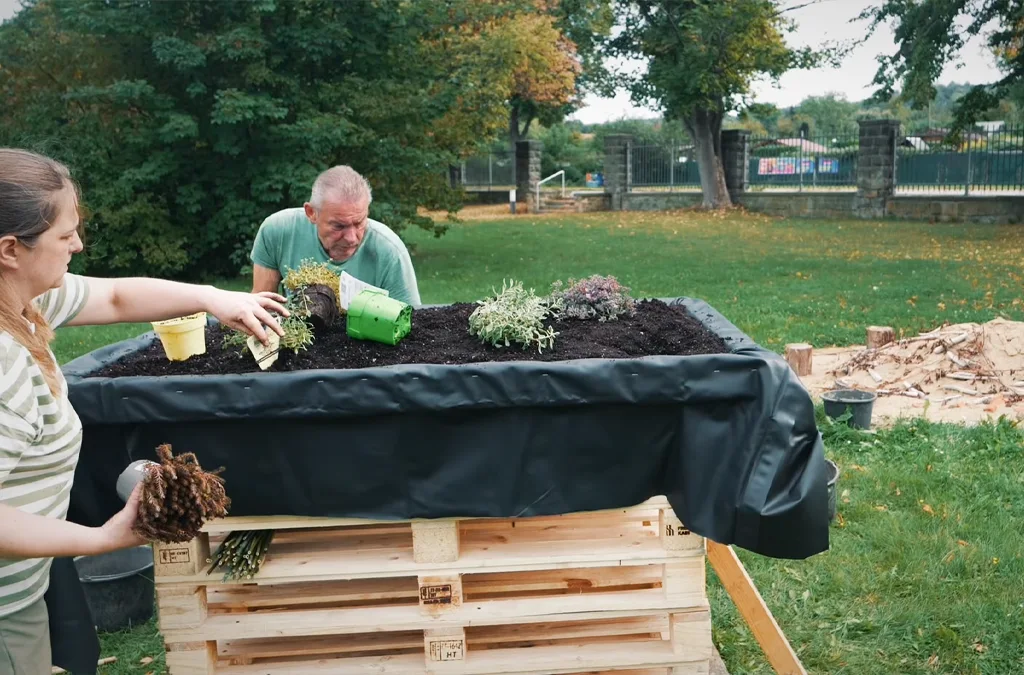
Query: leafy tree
[[702, 58], [929, 34], [188, 122]]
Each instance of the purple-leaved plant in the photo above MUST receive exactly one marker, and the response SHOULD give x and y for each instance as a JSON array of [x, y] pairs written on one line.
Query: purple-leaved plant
[[596, 296]]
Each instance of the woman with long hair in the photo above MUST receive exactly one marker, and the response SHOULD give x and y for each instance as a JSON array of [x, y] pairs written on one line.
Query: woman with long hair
[[40, 433]]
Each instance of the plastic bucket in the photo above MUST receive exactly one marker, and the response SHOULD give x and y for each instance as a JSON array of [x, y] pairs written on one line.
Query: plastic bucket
[[118, 587], [859, 403], [375, 316], [833, 476], [182, 337]]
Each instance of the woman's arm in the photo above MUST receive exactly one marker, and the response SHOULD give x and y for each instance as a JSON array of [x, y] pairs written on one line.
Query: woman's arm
[[24, 535], [140, 299]]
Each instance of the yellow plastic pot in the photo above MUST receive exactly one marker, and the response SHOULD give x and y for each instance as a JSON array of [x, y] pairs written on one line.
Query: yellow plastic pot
[[182, 337]]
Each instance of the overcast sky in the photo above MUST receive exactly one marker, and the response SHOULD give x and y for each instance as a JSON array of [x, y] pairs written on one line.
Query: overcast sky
[[828, 20]]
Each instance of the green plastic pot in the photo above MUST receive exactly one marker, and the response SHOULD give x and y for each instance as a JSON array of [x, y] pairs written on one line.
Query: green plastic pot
[[372, 315]]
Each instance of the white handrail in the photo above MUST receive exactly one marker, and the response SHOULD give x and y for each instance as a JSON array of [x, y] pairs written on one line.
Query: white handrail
[[557, 173]]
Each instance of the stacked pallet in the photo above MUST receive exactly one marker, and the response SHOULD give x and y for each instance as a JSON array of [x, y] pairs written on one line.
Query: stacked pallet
[[618, 591]]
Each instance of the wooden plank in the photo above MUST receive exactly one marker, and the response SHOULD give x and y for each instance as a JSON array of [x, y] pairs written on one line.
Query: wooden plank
[[750, 604], [435, 542], [444, 648], [674, 535], [554, 660], [181, 560], [440, 593], [232, 523], [311, 622], [358, 562], [182, 607], [197, 658]]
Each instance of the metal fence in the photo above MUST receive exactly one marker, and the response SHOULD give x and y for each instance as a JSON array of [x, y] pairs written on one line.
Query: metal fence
[[671, 166], [804, 163], [493, 170], [980, 161]]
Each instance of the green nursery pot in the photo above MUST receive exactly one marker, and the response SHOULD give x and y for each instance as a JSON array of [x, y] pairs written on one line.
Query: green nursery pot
[[374, 316]]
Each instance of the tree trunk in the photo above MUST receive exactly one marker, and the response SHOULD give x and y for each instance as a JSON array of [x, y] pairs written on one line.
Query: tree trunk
[[513, 126], [705, 128]]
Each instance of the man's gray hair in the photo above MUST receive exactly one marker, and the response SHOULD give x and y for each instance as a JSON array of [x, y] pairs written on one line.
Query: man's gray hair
[[343, 182]]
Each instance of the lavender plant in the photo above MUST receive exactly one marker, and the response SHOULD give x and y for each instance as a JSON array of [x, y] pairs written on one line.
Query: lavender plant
[[597, 296], [513, 315]]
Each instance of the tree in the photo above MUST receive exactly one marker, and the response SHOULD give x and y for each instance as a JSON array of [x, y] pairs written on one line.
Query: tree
[[929, 34], [701, 59], [189, 122]]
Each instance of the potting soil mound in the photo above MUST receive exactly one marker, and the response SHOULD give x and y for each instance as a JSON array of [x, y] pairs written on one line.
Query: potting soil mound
[[960, 372], [440, 335]]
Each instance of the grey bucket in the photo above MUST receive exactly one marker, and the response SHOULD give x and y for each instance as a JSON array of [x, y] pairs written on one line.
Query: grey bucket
[[833, 476], [860, 404], [118, 587]]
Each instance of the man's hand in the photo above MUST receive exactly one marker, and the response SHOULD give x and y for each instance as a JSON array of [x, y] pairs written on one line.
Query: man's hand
[[247, 312]]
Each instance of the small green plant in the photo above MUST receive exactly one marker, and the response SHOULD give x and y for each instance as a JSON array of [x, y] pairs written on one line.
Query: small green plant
[[515, 315], [596, 296], [310, 273], [298, 331]]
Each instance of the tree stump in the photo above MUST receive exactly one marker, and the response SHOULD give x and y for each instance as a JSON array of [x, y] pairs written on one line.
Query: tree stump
[[798, 356], [322, 302], [879, 336]]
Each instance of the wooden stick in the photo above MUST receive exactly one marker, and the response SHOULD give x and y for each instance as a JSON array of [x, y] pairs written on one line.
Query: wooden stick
[[750, 604], [879, 336], [798, 356]]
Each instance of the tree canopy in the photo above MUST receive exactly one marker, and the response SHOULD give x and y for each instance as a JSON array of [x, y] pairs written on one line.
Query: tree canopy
[[929, 35], [189, 122]]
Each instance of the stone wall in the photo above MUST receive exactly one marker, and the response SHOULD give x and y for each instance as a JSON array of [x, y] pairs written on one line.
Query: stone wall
[[876, 167], [592, 201], [617, 171], [660, 201], [960, 209], [736, 161], [807, 204]]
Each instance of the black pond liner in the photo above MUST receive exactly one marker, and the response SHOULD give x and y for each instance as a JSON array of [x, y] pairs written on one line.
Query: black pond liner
[[730, 439]]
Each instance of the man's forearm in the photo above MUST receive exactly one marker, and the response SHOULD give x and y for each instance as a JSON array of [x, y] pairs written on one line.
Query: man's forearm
[[24, 535]]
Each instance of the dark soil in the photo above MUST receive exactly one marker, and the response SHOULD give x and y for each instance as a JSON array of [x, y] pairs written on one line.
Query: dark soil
[[441, 335]]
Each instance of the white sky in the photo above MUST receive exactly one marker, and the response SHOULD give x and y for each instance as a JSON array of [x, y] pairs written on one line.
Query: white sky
[[829, 20]]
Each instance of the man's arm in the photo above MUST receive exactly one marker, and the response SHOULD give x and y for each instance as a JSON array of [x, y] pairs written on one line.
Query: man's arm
[[265, 279], [400, 281]]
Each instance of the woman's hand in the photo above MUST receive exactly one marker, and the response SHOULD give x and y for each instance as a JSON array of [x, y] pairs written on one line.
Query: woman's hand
[[248, 312], [118, 532]]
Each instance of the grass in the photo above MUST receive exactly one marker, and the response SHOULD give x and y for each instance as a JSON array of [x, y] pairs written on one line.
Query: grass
[[925, 570]]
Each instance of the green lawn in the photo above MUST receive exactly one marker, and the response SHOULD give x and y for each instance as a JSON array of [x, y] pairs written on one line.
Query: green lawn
[[925, 574]]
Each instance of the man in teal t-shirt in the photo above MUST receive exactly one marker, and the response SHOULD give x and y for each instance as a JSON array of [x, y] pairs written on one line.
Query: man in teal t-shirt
[[334, 227]]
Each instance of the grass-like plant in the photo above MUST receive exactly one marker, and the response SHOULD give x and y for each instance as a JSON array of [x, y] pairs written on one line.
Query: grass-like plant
[[515, 315]]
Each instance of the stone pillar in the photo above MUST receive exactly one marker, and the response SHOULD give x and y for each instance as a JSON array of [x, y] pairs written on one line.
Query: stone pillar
[[876, 167], [528, 173], [617, 169], [736, 161]]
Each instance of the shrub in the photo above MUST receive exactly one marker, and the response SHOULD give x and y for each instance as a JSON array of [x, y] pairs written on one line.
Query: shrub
[[513, 315], [603, 297], [310, 273]]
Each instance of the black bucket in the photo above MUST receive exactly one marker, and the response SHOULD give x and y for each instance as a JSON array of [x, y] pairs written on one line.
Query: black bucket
[[118, 587], [833, 476], [859, 403]]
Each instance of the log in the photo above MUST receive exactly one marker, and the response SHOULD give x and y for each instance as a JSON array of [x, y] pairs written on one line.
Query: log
[[798, 356], [879, 336]]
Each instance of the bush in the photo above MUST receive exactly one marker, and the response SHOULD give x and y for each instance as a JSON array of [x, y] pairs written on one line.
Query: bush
[[513, 315], [597, 296]]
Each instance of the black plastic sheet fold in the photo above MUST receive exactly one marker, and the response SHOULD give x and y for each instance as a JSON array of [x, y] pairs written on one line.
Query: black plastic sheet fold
[[730, 439]]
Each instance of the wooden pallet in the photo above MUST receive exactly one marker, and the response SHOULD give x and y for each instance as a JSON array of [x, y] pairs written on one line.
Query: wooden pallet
[[614, 591]]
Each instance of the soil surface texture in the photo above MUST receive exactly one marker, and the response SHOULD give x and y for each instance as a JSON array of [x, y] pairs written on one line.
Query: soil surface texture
[[440, 335]]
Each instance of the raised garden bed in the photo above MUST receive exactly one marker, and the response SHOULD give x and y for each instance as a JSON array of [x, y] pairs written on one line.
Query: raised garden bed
[[672, 401]]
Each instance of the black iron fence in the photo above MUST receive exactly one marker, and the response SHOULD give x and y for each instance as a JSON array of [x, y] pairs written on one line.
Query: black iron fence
[[987, 159], [671, 166], [493, 170], [799, 163]]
